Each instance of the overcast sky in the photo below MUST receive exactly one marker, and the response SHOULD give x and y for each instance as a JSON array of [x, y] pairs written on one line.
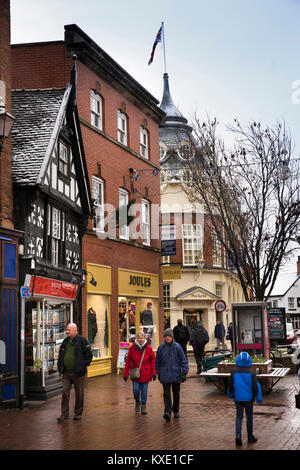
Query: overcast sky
[[225, 58]]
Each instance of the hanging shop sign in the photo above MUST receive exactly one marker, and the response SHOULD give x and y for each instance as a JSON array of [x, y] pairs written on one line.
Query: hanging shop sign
[[45, 287], [139, 284], [171, 272]]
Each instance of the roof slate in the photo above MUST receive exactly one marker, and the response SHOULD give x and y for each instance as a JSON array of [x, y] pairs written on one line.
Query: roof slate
[[35, 113]]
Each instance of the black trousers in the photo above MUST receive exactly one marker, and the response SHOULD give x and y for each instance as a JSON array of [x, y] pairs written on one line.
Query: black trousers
[[183, 345], [198, 353], [168, 399]]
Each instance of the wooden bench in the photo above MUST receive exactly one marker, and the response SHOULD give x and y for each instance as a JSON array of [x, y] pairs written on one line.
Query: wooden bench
[[268, 380]]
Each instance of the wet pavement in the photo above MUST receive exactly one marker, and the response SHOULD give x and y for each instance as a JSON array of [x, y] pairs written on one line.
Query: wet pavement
[[109, 422]]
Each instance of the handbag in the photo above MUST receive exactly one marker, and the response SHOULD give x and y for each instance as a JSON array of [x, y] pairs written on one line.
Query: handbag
[[135, 373], [227, 336]]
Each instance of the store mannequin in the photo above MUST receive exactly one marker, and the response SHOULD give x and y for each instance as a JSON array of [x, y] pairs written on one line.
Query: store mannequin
[[146, 315], [92, 325]]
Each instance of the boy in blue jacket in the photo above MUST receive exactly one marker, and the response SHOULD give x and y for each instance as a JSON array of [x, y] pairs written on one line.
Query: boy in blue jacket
[[244, 388]]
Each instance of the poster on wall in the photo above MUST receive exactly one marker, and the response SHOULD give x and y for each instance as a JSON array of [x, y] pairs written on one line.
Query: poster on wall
[[123, 350]]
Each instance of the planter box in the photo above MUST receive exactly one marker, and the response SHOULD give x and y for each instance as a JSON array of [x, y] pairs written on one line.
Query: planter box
[[264, 367]]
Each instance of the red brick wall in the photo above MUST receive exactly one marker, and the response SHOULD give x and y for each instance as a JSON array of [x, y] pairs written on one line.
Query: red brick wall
[[6, 195], [47, 66]]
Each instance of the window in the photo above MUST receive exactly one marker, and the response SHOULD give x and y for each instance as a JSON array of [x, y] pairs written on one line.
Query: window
[[55, 236], [216, 249], [165, 259], [145, 222], [291, 302], [96, 110], [166, 290], [219, 290], [98, 196], [123, 207], [275, 304], [122, 128], [192, 243], [144, 142], [63, 159]]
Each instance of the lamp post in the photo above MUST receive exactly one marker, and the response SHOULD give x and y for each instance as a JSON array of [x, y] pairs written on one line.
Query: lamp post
[[6, 123]]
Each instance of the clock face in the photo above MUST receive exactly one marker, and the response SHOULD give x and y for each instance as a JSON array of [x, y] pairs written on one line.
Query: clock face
[[220, 306]]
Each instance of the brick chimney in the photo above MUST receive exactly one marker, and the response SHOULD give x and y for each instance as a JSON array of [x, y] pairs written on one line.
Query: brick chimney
[[6, 190], [298, 266]]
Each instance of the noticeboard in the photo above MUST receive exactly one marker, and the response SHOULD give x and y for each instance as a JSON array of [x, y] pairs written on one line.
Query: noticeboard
[[123, 350], [276, 324]]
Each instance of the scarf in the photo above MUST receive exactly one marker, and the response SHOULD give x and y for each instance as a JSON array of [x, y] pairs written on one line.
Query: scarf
[[140, 345]]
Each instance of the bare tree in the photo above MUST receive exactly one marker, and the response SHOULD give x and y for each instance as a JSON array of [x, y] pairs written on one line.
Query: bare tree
[[251, 194]]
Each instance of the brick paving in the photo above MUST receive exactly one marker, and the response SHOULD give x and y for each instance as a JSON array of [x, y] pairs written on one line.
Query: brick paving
[[110, 423]]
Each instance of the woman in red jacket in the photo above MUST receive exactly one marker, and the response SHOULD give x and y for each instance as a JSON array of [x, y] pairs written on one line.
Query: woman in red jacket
[[147, 370]]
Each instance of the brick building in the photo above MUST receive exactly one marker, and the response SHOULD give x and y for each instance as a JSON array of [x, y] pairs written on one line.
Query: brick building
[[119, 122]]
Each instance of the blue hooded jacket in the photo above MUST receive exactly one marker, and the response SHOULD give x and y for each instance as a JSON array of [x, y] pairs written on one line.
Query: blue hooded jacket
[[243, 383], [171, 363]]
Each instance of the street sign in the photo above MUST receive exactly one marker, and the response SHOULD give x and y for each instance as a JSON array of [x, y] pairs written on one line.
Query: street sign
[[220, 306], [25, 291]]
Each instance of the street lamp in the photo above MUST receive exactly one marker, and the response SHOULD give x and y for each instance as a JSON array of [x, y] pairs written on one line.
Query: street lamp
[[6, 122], [200, 265], [93, 280]]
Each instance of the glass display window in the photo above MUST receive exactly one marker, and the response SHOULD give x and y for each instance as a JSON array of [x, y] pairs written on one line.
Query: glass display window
[[45, 326], [98, 324], [127, 320], [148, 320]]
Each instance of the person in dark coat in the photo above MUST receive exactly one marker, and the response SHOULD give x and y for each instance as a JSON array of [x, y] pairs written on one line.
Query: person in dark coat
[[75, 355], [181, 335], [147, 370], [230, 335], [171, 367], [244, 388], [220, 335], [199, 338]]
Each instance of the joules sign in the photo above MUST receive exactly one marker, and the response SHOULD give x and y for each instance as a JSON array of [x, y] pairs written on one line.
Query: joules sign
[[52, 288]]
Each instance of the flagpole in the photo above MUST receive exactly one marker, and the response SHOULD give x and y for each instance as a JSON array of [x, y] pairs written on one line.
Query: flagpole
[[164, 45]]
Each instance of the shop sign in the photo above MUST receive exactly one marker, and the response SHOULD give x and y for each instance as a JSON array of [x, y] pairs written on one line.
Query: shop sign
[[171, 272], [133, 283], [52, 288], [123, 351]]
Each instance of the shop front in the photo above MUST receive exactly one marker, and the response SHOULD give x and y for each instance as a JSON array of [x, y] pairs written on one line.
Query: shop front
[[98, 301], [48, 310], [138, 295]]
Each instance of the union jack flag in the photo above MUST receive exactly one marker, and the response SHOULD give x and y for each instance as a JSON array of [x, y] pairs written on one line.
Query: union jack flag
[[157, 40]]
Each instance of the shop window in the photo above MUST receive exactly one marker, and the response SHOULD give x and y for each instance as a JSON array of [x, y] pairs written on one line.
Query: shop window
[[96, 110], [144, 148], [98, 324], [148, 316], [122, 128], [137, 316], [45, 324]]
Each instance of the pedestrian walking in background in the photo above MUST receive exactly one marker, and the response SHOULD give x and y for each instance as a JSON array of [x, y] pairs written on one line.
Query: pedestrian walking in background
[[181, 335], [172, 367], [220, 335], [75, 355], [230, 335], [244, 388], [199, 338], [140, 355]]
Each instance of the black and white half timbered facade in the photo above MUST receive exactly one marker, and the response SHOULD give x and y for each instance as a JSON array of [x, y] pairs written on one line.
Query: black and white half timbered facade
[[52, 204]]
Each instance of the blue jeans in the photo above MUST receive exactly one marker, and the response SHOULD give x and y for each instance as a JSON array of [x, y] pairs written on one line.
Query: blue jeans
[[140, 388], [240, 406]]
